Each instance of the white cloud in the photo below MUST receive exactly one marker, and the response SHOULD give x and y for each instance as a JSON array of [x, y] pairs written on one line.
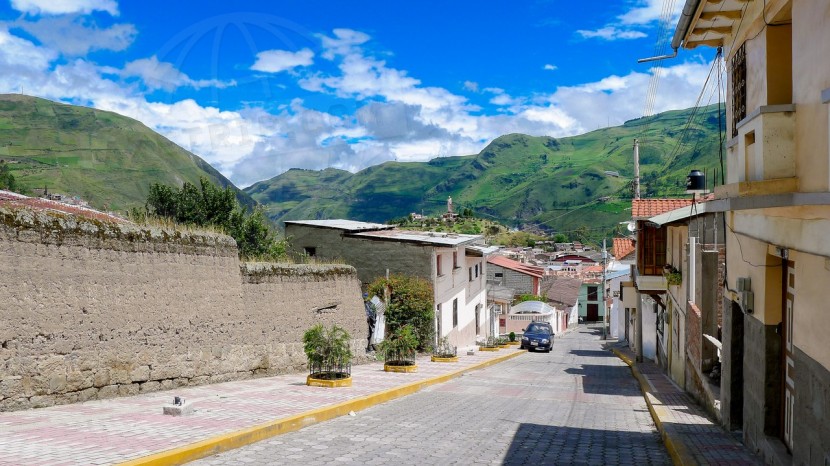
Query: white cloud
[[76, 36], [343, 41], [471, 86], [646, 12], [275, 61], [550, 67], [611, 33], [62, 7], [17, 53], [163, 75]]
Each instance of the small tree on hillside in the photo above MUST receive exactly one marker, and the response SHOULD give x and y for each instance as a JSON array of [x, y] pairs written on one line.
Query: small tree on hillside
[[410, 303]]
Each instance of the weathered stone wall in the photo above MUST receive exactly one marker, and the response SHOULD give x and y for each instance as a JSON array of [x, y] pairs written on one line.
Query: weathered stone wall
[[95, 310], [519, 282]]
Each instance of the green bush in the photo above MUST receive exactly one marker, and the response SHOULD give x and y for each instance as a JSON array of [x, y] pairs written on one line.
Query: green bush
[[410, 303], [328, 351], [512, 336], [399, 348]]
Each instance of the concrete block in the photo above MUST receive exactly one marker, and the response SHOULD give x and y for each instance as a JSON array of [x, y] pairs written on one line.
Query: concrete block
[[184, 409]]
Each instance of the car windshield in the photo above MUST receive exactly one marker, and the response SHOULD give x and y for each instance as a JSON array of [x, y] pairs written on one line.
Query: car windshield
[[536, 328]]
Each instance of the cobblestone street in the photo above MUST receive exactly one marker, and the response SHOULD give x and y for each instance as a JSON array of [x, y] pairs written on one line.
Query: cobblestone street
[[578, 404]]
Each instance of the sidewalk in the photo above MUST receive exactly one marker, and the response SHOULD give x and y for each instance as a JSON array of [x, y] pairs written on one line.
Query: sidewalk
[[228, 415], [687, 432]]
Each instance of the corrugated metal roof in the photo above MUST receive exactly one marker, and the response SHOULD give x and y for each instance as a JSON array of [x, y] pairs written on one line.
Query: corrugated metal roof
[[517, 266], [342, 224], [424, 237]]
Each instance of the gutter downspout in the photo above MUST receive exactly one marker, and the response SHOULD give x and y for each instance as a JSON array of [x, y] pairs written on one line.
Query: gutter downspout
[[683, 24]]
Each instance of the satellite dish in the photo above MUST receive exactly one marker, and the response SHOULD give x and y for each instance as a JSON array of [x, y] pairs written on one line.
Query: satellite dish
[[630, 227]]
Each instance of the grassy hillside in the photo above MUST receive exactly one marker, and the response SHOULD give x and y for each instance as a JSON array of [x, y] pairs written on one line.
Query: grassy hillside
[[107, 159], [519, 180]]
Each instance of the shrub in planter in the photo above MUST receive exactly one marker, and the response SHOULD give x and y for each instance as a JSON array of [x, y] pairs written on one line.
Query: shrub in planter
[[673, 276], [328, 352], [512, 336], [410, 303], [491, 344], [444, 352], [399, 348]]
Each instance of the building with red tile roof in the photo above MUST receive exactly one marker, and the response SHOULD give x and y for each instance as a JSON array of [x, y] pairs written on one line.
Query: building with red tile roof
[[642, 209], [623, 247]]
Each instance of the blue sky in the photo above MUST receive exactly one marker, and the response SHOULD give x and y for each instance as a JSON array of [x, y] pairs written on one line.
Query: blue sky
[[256, 88]]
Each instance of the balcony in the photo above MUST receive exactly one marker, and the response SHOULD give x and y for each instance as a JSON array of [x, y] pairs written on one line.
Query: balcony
[[762, 156], [647, 283]]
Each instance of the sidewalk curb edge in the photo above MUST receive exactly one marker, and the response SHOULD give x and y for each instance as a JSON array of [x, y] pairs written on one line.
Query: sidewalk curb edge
[[678, 451], [233, 440]]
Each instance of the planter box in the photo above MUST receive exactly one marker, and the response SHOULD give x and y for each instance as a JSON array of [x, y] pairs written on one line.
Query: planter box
[[328, 383], [440, 359], [396, 368], [484, 348]]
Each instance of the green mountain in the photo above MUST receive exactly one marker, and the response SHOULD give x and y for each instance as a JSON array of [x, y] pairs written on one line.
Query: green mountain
[[578, 184], [105, 158]]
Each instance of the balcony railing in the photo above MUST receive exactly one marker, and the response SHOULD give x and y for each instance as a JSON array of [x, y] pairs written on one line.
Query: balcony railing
[[763, 150]]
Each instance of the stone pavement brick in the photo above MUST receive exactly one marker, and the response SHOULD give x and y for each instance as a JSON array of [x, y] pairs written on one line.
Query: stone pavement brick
[[122, 429], [690, 436]]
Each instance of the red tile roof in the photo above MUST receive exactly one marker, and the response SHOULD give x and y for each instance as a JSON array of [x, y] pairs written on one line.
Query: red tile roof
[[8, 198], [623, 247], [516, 266], [647, 208]]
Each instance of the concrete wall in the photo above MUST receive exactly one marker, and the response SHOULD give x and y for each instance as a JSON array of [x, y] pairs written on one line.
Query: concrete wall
[[97, 310], [371, 258], [762, 382], [520, 282]]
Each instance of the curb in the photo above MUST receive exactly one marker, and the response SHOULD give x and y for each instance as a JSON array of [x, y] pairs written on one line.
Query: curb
[[678, 451], [232, 440]]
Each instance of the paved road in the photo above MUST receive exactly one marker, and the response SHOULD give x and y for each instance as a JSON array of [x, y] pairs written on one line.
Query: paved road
[[578, 404]]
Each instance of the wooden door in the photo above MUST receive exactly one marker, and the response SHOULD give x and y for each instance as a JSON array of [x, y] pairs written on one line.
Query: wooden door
[[593, 312]]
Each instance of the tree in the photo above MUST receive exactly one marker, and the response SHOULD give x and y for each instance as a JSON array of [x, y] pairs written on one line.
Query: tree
[[209, 205], [560, 238], [410, 303], [7, 180]]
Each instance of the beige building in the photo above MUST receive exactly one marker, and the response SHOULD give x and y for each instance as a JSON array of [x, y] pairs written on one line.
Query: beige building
[[453, 263], [777, 215]]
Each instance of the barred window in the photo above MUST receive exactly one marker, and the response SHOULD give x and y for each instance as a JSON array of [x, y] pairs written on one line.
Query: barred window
[[738, 88]]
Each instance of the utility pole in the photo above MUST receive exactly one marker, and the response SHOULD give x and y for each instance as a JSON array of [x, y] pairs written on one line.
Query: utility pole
[[604, 307]]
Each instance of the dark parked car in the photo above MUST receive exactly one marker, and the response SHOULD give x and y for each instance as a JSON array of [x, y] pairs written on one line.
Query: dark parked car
[[538, 335]]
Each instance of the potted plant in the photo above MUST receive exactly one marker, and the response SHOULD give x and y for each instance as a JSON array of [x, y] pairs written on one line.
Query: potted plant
[[445, 352], [502, 342], [490, 344], [329, 356], [398, 350], [511, 337], [673, 276]]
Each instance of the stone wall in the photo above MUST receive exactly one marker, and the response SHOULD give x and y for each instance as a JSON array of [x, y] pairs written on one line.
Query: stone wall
[[96, 310], [521, 283]]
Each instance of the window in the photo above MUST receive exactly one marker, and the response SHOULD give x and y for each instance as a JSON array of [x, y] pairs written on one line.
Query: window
[[652, 255], [738, 88], [476, 270], [455, 312], [471, 274], [455, 259], [478, 318], [438, 318], [592, 293], [438, 269], [499, 274], [310, 252]]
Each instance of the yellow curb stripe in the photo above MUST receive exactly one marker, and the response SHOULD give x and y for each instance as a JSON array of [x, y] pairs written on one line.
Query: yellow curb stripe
[[230, 441], [677, 449]]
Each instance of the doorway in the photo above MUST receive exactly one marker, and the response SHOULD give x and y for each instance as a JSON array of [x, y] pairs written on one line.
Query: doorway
[[593, 312]]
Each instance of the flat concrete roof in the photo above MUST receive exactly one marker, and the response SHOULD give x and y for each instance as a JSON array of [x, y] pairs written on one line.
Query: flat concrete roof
[[341, 224], [422, 237]]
